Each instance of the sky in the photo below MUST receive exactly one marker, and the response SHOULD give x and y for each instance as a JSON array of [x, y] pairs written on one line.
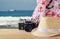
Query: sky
[[17, 4]]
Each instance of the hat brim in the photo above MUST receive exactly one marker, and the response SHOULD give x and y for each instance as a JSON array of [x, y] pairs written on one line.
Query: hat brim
[[42, 34]]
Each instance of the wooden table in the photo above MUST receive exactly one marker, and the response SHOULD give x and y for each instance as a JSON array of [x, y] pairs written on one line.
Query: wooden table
[[20, 34]]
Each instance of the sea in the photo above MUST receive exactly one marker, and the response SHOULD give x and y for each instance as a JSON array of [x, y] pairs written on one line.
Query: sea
[[16, 13]]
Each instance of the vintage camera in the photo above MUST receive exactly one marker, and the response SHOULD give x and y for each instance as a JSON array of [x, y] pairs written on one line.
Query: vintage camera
[[27, 25]]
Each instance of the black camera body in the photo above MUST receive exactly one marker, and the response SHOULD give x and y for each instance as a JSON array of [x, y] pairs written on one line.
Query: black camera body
[[27, 25]]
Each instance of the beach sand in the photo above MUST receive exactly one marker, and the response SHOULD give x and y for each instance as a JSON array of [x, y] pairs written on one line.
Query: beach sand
[[21, 34]]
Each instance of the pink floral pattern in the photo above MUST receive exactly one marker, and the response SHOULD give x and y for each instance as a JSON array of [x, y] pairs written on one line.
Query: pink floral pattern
[[46, 8]]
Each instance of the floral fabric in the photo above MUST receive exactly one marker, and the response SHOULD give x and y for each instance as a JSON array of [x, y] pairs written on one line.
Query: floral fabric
[[46, 8]]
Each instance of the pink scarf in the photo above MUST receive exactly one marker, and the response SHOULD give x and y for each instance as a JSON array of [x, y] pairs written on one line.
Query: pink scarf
[[46, 8]]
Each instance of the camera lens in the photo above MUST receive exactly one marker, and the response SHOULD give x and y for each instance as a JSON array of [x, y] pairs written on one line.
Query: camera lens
[[28, 28]]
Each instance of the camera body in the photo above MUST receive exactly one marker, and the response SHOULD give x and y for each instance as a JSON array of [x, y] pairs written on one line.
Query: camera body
[[27, 25]]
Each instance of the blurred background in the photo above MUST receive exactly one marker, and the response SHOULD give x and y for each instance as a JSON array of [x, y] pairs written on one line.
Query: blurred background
[[17, 7], [17, 4]]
